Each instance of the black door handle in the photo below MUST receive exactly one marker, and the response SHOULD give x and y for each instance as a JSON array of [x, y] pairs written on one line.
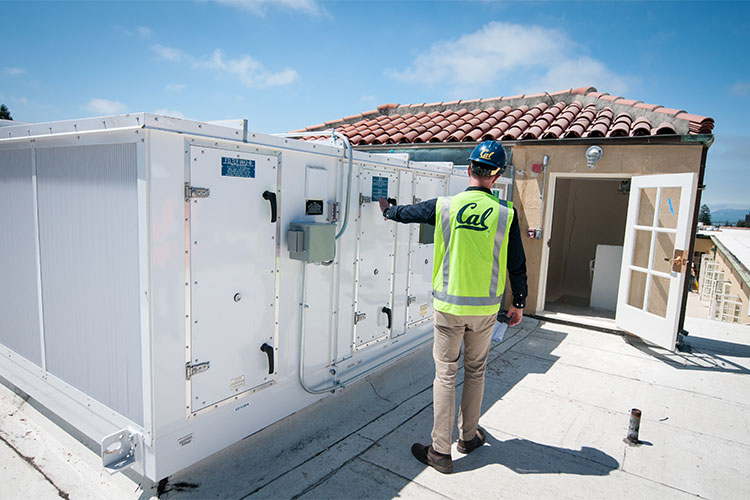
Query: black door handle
[[269, 352], [387, 311], [271, 197]]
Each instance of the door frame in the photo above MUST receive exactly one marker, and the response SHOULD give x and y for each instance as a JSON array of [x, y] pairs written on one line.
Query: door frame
[[548, 205]]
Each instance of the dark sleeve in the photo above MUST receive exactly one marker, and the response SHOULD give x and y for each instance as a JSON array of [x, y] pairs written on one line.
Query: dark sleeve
[[517, 264], [423, 212]]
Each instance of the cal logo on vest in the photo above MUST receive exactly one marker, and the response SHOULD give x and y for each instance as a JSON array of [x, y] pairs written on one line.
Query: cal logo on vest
[[472, 221]]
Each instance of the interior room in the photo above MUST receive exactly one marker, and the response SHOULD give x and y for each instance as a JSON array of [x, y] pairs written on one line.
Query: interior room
[[588, 229]]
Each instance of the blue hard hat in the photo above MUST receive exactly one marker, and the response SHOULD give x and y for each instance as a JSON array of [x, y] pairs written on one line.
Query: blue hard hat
[[488, 159]]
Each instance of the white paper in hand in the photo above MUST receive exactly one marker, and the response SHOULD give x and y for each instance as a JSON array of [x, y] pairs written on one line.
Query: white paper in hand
[[499, 332]]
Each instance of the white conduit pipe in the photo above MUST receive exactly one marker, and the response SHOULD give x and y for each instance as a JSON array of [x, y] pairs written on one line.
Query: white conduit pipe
[[348, 152], [339, 384]]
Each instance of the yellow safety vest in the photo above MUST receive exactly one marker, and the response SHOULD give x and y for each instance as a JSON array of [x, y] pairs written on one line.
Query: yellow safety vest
[[471, 249]]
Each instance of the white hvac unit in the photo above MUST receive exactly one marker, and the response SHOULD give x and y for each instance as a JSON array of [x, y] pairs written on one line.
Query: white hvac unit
[[170, 287]]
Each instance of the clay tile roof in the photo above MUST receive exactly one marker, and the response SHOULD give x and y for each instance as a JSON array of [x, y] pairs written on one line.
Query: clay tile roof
[[564, 114]]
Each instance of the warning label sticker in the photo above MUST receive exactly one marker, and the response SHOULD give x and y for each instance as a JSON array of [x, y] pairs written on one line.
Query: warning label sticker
[[236, 383], [237, 167]]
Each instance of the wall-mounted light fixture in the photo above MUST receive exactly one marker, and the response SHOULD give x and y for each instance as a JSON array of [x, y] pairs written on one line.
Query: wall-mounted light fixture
[[593, 155]]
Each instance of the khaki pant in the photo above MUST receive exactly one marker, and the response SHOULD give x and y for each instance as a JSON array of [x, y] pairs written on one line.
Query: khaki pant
[[450, 331]]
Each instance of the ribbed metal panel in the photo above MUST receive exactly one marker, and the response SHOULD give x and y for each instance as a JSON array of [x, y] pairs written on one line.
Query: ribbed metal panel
[[19, 297], [88, 227]]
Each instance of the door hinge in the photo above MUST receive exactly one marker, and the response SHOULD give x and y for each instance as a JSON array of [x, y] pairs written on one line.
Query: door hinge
[[194, 369], [195, 192], [411, 299], [359, 317]]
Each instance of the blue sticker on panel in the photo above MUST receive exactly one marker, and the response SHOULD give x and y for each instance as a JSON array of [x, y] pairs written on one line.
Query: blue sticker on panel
[[237, 167], [379, 188]]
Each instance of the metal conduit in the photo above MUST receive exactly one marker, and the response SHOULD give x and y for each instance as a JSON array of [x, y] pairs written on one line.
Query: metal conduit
[[348, 145], [303, 303], [338, 384]]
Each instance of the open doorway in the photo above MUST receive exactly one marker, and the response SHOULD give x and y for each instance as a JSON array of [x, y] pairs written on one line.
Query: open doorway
[[585, 249]]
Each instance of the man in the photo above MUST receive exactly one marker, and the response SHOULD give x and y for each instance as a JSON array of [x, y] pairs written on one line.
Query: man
[[477, 238]]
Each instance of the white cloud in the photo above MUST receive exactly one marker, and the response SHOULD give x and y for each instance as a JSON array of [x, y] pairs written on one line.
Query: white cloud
[[260, 7], [169, 53], [14, 71], [525, 58], [250, 72], [367, 98], [137, 32], [105, 107], [579, 72], [143, 31], [169, 112], [175, 87], [741, 89]]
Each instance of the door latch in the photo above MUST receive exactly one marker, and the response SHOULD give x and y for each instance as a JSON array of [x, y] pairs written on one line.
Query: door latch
[[196, 192], [389, 313], [194, 369], [269, 352]]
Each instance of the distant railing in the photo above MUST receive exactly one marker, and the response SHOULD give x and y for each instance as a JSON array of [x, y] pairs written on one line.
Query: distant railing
[[715, 292], [726, 307]]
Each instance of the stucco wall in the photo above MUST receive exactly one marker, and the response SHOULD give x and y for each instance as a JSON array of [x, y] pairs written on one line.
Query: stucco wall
[[625, 160]]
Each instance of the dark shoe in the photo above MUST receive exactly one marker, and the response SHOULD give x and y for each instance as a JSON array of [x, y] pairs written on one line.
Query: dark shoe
[[428, 456], [472, 444]]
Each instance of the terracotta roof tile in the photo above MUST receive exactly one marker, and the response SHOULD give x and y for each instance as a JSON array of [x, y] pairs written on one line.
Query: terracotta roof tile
[[669, 111], [569, 113], [650, 107], [664, 128], [383, 107], [581, 91]]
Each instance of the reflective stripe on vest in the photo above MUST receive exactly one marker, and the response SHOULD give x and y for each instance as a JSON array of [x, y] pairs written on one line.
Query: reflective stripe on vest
[[492, 297]]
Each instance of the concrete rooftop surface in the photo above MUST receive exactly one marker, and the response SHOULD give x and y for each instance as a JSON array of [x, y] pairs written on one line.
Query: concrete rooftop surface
[[556, 410]]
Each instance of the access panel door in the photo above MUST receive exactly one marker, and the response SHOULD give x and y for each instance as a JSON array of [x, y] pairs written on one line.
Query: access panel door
[[422, 251], [655, 256], [232, 275], [374, 278]]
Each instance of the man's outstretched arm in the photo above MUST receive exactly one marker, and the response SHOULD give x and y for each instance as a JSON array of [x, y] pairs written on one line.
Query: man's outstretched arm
[[423, 212]]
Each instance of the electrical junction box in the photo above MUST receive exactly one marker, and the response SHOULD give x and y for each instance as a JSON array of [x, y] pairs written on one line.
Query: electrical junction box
[[311, 241], [426, 234]]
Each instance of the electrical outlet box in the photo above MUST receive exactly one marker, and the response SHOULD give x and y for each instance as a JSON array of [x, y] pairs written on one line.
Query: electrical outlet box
[[311, 241], [426, 234]]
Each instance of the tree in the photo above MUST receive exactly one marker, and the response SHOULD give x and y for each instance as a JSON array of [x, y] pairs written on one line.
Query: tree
[[704, 215], [5, 112], [741, 223]]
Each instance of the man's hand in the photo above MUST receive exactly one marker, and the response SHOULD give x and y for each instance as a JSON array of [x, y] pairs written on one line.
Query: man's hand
[[383, 204], [515, 314]]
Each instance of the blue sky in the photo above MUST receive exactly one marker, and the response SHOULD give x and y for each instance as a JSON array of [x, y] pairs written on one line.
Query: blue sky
[[285, 64]]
